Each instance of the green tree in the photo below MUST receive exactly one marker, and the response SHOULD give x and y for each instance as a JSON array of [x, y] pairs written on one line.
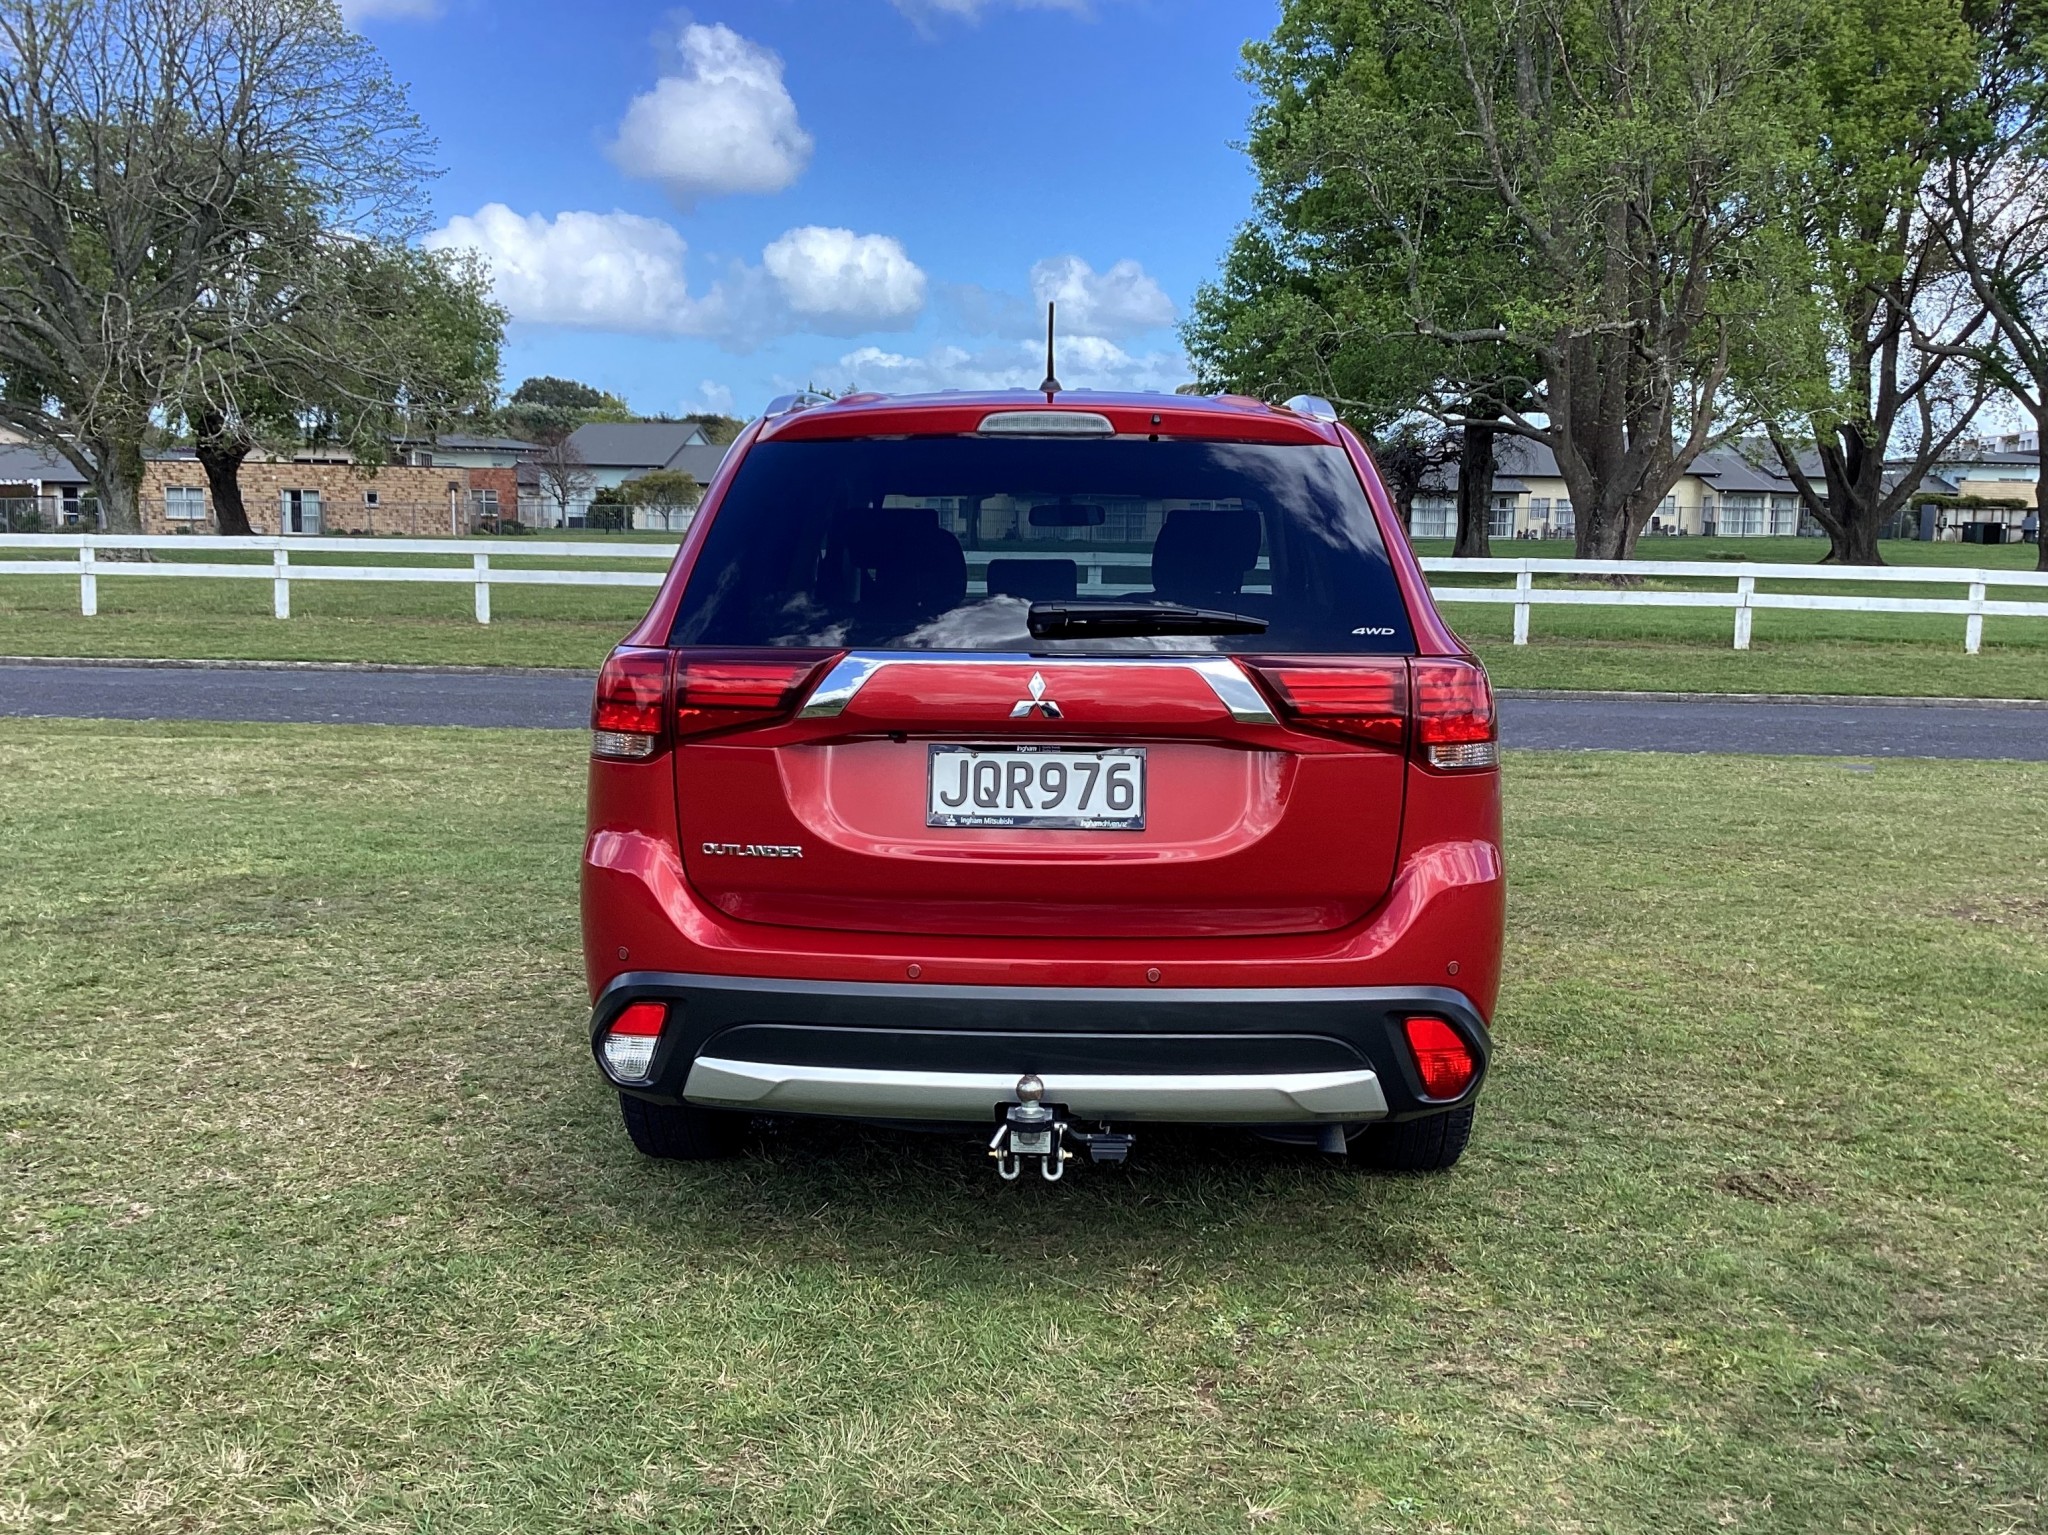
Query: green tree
[[1891, 326], [563, 394], [666, 493], [1989, 201], [1571, 203], [161, 161], [384, 339]]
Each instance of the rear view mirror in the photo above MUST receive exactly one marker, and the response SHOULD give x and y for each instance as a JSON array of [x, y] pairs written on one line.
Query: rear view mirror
[[1067, 514]]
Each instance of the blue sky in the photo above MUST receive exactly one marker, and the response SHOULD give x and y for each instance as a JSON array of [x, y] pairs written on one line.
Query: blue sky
[[699, 208]]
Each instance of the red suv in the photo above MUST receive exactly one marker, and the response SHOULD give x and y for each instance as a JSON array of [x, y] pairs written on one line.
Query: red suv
[[1053, 765]]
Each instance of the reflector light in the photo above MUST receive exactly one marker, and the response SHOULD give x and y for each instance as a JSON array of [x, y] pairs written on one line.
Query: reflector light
[[1367, 699], [629, 1043], [625, 715], [1442, 1058], [718, 692]]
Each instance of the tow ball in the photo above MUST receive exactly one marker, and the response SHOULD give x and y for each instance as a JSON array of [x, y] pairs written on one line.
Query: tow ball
[[1034, 1131]]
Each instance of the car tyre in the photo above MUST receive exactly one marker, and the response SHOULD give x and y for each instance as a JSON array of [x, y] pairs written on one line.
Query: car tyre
[[1426, 1145], [680, 1132]]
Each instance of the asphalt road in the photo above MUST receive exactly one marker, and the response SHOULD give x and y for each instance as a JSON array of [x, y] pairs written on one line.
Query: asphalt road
[[309, 695]]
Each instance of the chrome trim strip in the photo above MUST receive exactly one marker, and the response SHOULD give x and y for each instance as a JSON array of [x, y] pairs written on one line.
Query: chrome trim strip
[[870, 1093], [1233, 689]]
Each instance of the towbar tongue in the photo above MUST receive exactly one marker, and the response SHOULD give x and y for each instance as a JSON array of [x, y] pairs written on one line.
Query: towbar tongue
[[1030, 1132]]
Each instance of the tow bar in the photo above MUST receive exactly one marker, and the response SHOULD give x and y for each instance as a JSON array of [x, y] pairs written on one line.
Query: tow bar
[[1036, 1131]]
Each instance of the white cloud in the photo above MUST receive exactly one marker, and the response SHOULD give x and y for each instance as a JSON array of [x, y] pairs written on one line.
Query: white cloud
[[361, 10], [621, 272], [1085, 362], [711, 399], [1119, 302], [599, 271], [723, 123], [844, 281]]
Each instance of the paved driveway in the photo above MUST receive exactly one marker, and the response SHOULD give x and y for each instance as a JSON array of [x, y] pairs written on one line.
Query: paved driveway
[[561, 700]]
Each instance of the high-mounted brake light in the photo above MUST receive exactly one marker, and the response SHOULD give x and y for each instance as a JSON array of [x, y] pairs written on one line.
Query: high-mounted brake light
[[1442, 1058], [632, 696], [716, 692], [629, 1043], [1455, 726], [1367, 699], [1046, 423]]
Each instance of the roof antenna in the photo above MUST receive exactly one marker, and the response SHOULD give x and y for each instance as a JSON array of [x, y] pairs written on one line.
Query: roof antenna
[[1051, 386]]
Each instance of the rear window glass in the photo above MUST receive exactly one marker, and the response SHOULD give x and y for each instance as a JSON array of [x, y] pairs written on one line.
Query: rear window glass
[[943, 543]]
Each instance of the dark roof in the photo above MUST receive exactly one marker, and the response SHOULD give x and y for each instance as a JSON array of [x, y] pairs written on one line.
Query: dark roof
[[632, 444], [699, 461], [456, 442], [23, 462]]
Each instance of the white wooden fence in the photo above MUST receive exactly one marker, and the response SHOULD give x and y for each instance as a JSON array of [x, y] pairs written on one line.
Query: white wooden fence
[[1102, 573]]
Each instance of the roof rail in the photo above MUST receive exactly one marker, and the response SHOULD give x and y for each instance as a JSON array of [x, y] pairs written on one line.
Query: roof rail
[[803, 399]]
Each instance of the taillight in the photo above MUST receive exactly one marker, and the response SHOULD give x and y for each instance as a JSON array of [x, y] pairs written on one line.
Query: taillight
[[632, 696], [1366, 699], [1454, 720], [1442, 1058], [715, 692], [629, 1042], [647, 697]]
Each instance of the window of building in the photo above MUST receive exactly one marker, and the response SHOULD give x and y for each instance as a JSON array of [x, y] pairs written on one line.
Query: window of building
[[1500, 517], [1434, 517], [1784, 516], [299, 511], [1561, 517], [184, 503], [1742, 516], [370, 499], [483, 503]]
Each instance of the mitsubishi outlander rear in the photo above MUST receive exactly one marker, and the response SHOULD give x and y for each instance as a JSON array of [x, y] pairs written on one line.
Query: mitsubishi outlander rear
[[1048, 767]]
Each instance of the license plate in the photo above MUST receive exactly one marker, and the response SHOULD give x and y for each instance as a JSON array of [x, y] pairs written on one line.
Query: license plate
[[1037, 786]]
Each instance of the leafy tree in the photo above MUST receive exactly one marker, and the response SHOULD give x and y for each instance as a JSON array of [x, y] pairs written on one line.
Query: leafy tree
[[1883, 279], [719, 429], [667, 493], [1989, 201], [385, 339], [563, 394], [1569, 203], [165, 165]]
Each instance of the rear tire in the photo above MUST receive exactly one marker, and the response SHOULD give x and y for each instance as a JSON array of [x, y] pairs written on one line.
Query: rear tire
[[1426, 1145], [680, 1132]]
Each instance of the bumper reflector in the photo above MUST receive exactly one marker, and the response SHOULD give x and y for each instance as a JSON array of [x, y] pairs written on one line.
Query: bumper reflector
[[1442, 1058], [629, 1043]]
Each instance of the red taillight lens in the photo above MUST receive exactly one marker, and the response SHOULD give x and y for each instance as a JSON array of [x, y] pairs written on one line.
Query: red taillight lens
[[629, 1043], [1442, 1058], [1454, 719], [1367, 699], [632, 697], [717, 692]]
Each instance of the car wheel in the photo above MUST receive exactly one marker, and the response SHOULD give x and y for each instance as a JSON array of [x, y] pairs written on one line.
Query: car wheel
[[680, 1132], [1426, 1145]]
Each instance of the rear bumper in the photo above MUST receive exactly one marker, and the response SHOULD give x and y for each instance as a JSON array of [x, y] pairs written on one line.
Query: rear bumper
[[1295, 1055]]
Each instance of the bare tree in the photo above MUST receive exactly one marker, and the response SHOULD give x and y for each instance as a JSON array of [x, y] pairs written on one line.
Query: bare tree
[[168, 169], [564, 474]]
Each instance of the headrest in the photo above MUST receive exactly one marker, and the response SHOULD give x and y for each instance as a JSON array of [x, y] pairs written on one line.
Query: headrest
[[1201, 556]]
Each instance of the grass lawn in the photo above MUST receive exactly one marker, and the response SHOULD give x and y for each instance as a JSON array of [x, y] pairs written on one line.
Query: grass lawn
[[1575, 647], [317, 1219]]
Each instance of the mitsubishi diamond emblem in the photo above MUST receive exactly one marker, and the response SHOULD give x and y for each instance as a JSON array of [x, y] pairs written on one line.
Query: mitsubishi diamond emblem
[[1037, 703]]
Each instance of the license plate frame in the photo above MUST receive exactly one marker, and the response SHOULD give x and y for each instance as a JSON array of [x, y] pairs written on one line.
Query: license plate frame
[[970, 814]]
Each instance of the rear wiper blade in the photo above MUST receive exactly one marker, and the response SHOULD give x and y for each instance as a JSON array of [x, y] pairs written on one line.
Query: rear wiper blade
[[1114, 619]]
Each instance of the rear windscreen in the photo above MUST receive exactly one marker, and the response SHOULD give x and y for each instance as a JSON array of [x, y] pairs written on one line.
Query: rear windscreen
[[944, 543]]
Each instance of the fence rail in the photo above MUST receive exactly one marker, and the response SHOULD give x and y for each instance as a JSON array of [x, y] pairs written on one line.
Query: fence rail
[[1095, 572]]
